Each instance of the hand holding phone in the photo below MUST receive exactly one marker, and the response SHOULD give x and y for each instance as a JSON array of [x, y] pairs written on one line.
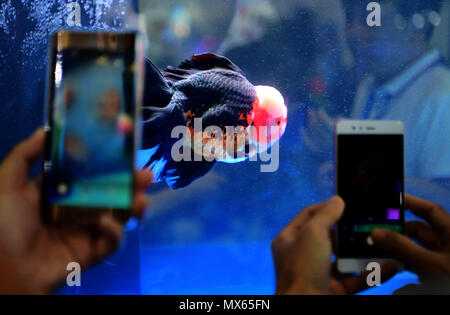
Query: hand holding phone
[[370, 179], [302, 255], [90, 124], [430, 258], [34, 256]]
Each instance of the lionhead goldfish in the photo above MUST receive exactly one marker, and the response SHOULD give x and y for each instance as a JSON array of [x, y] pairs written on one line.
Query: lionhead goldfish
[[210, 90]]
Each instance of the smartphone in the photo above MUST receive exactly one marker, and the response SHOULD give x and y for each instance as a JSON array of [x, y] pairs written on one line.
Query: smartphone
[[90, 121], [370, 179]]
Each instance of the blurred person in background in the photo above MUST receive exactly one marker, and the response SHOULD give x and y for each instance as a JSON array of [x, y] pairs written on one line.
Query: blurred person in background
[[402, 79], [178, 29]]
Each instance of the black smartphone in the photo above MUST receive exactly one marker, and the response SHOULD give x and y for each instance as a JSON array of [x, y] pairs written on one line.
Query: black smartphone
[[92, 97], [370, 179]]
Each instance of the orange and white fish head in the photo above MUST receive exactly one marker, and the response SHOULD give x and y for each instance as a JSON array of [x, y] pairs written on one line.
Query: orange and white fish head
[[267, 124], [268, 118]]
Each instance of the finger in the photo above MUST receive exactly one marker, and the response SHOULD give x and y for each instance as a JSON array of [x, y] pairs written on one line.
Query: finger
[[313, 121], [305, 215], [31, 148], [333, 238], [38, 181], [307, 140], [329, 122], [20, 160], [422, 232], [140, 204], [143, 180], [404, 249], [359, 283], [326, 126], [312, 117], [110, 229], [319, 126], [289, 233], [431, 212], [105, 241], [330, 214], [89, 245]]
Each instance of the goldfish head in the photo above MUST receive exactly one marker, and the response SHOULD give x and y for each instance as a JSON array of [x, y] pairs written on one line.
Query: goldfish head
[[269, 117], [266, 125]]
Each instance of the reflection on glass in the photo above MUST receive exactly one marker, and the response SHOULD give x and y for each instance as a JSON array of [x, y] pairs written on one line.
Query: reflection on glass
[[328, 64]]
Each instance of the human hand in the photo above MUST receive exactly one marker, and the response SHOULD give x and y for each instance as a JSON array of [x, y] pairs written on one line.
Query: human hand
[[302, 255], [431, 259], [318, 134], [33, 257]]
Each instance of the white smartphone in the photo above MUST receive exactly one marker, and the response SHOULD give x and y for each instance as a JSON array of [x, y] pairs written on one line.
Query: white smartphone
[[370, 178]]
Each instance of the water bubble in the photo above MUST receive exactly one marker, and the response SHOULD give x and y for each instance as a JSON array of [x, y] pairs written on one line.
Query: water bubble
[[7, 15], [418, 21], [47, 17], [434, 18]]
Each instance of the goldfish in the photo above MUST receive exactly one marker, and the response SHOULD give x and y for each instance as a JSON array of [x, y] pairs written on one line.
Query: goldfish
[[205, 92]]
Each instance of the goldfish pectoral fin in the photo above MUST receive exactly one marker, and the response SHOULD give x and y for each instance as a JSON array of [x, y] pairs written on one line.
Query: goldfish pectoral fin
[[185, 173], [209, 61]]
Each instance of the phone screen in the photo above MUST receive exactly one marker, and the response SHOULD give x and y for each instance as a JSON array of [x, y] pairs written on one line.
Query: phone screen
[[370, 180], [90, 151]]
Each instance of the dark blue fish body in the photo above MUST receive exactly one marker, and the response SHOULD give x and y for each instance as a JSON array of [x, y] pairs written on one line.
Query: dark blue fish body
[[207, 87]]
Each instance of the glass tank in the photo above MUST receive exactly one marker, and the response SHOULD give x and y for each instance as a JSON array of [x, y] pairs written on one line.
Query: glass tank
[[214, 236], [328, 59]]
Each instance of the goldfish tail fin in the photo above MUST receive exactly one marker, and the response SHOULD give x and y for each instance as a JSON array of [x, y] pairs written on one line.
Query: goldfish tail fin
[[158, 90], [182, 174], [159, 115], [158, 124]]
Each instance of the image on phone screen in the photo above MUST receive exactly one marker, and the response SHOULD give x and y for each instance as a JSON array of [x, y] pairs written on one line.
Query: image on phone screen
[[90, 153], [370, 180]]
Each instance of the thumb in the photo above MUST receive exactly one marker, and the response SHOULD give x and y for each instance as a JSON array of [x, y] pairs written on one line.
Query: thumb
[[404, 249], [18, 163], [31, 148], [330, 214]]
